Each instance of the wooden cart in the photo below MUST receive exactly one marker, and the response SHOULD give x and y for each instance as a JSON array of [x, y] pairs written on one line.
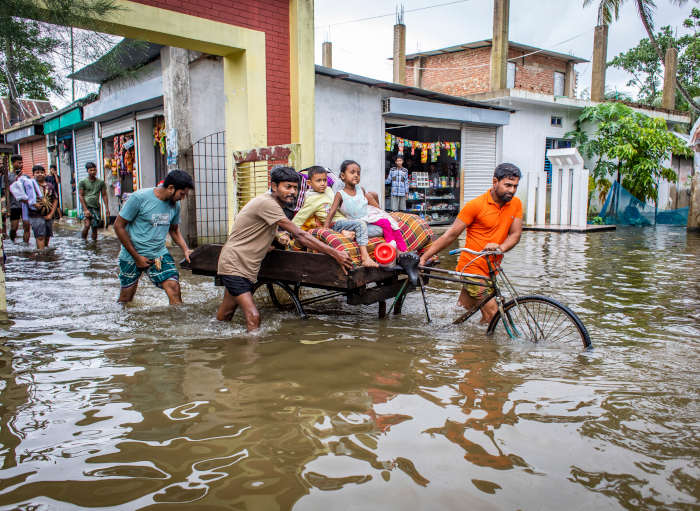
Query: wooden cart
[[287, 272]]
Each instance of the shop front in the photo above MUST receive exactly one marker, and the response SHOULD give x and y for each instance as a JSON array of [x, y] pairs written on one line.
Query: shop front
[[118, 166], [431, 157], [65, 130], [29, 137], [450, 145]]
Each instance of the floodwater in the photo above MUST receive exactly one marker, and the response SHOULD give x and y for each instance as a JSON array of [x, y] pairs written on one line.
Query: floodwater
[[149, 406]]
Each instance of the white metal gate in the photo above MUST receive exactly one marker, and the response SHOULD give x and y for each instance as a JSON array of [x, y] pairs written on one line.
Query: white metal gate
[[478, 160]]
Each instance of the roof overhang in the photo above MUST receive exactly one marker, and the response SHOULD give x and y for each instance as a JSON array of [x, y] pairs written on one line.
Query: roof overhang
[[68, 120], [140, 96], [516, 98], [484, 43], [405, 89], [126, 55], [25, 134], [412, 109]]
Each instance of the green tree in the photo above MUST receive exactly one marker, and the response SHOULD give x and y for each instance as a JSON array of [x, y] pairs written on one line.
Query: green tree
[[609, 10], [29, 48], [646, 69], [627, 145]]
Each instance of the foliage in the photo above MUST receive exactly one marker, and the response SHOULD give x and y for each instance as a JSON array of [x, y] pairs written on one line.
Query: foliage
[[646, 68], [597, 221], [629, 145], [35, 38], [609, 10], [25, 59]]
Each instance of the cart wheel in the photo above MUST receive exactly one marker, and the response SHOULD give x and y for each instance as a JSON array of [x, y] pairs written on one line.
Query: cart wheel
[[282, 296]]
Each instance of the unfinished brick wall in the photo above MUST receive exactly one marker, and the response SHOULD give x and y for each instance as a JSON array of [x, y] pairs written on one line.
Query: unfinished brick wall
[[458, 73], [468, 71], [535, 72], [270, 16]]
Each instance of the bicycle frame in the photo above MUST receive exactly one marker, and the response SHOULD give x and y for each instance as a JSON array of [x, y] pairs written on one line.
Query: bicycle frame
[[488, 282]]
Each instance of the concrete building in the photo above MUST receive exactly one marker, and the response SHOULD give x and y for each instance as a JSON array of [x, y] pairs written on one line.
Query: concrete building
[[28, 137], [355, 115], [540, 87], [128, 131], [62, 129]]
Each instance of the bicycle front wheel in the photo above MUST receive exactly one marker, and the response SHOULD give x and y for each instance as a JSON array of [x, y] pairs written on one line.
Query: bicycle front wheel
[[541, 320]]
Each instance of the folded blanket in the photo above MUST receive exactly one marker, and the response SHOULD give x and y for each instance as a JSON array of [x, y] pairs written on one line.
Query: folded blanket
[[415, 230]]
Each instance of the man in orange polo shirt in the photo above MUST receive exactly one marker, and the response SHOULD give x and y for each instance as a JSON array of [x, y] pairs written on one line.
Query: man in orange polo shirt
[[494, 221]]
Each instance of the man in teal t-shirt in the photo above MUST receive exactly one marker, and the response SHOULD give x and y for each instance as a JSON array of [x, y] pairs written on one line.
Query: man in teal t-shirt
[[142, 226]]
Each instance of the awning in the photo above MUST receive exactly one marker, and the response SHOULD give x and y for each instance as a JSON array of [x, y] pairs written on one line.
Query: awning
[[431, 110], [72, 119]]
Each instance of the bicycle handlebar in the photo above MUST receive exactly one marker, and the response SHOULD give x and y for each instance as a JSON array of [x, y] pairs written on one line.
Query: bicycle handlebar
[[474, 252]]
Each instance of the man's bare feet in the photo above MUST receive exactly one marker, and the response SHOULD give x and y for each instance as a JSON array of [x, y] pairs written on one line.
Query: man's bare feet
[[348, 234], [369, 262]]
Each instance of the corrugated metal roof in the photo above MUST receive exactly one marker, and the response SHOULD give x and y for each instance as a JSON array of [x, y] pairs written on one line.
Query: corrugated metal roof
[[30, 108], [127, 55], [487, 42], [397, 87]]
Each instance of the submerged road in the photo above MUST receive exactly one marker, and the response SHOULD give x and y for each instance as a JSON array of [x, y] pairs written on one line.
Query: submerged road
[[147, 406]]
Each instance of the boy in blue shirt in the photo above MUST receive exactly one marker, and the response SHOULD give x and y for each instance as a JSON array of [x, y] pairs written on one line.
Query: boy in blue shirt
[[142, 226]]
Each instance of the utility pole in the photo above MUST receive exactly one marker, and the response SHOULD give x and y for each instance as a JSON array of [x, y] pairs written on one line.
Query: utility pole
[[72, 65]]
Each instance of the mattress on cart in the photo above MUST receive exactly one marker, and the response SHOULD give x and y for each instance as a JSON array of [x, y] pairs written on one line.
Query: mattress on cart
[[415, 230]]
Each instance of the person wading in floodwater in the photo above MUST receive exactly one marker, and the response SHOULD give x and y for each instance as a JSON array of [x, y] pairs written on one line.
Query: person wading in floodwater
[[89, 191], [15, 204], [250, 240], [142, 226], [494, 221]]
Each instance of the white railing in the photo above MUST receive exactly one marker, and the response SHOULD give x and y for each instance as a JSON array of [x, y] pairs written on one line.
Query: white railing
[[568, 204]]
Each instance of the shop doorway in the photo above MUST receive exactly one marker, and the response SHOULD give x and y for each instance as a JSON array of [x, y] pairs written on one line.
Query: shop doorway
[[432, 159], [119, 158]]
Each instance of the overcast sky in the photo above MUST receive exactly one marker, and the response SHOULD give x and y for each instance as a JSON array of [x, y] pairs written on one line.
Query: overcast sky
[[364, 47]]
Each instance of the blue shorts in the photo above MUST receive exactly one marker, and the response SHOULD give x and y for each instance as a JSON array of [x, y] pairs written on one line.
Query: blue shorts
[[129, 273]]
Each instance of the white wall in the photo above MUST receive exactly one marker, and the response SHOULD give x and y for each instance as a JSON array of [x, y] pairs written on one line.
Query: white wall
[[206, 97], [147, 159], [349, 126], [525, 137]]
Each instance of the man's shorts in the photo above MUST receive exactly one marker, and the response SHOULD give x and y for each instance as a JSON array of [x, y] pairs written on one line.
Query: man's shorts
[[95, 218], [15, 213], [475, 290], [237, 285], [129, 273], [40, 227]]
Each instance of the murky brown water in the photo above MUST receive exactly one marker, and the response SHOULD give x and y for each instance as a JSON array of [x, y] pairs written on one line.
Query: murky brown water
[[150, 406]]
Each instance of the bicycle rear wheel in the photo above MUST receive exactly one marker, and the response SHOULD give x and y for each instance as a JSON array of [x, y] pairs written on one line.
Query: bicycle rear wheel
[[541, 320]]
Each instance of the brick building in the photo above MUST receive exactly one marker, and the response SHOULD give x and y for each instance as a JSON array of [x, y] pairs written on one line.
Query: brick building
[[465, 69]]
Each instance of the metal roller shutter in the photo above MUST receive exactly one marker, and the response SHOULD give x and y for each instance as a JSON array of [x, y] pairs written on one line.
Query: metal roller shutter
[[478, 160], [84, 152], [39, 154], [117, 126]]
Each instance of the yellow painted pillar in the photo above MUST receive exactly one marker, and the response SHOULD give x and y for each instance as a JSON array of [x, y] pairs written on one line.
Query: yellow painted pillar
[[302, 78]]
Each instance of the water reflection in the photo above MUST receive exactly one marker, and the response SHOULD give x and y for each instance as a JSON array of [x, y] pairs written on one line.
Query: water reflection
[[130, 408]]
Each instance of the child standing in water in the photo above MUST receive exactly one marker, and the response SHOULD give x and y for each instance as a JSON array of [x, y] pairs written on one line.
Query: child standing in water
[[352, 201]]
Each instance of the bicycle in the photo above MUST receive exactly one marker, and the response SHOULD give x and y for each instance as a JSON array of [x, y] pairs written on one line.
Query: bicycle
[[539, 319]]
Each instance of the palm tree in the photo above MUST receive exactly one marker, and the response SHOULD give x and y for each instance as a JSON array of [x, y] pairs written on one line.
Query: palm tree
[[609, 11]]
